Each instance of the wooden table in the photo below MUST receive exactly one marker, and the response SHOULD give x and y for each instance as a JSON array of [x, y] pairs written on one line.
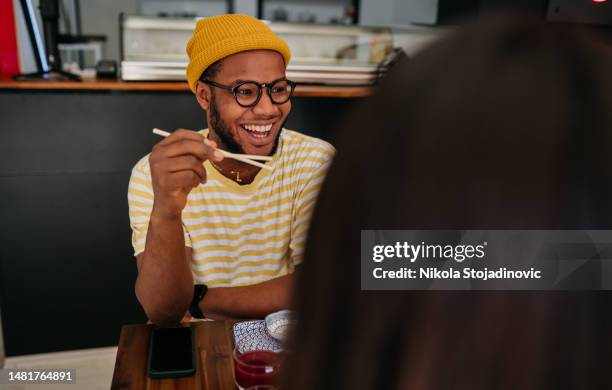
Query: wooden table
[[214, 366]]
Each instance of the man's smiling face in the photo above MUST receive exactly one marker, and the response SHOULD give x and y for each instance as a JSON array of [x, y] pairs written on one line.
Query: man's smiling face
[[251, 130]]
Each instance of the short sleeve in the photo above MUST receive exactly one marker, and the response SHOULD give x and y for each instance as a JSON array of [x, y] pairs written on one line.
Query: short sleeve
[[140, 202], [311, 182]]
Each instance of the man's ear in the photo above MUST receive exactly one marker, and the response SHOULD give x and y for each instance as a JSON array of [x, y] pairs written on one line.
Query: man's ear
[[203, 95]]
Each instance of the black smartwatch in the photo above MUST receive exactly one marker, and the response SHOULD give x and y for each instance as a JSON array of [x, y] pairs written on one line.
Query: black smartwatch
[[199, 290]]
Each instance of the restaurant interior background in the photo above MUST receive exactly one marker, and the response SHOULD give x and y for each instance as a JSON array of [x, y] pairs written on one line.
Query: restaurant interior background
[[66, 266]]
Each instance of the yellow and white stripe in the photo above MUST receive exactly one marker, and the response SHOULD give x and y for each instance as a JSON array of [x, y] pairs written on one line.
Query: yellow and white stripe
[[244, 234]]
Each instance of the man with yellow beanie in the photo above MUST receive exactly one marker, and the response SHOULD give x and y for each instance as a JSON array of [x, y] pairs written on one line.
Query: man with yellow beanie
[[214, 236]]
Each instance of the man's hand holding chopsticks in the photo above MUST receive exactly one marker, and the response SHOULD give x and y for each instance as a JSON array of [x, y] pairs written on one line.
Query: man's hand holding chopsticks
[[176, 168]]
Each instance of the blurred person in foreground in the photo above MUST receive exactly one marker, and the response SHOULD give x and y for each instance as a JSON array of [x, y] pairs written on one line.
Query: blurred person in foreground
[[506, 124]]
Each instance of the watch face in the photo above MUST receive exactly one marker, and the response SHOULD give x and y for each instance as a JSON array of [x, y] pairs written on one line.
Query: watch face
[[199, 290]]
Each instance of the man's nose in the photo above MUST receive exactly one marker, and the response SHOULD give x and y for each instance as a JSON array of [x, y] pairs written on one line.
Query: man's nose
[[265, 107]]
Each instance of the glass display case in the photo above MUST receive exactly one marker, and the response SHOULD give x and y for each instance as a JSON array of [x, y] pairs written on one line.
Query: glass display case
[[154, 49]]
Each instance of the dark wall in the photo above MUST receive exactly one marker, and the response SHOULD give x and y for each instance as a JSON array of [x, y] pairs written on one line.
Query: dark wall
[[66, 266], [537, 7], [459, 11]]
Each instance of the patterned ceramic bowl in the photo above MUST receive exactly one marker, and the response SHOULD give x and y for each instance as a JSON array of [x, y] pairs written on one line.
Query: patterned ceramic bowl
[[279, 323]]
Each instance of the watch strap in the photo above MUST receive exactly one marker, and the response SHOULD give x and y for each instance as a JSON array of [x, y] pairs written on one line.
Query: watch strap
[[199, 290]]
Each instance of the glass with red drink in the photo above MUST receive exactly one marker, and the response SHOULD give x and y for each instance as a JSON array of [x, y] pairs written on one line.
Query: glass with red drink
[[256, 368]]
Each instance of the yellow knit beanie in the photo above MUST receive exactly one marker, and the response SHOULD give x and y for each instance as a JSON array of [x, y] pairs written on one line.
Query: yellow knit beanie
[[217, 37]]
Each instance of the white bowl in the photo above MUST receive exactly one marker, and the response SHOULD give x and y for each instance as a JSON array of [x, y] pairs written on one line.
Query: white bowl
[[279, 323]]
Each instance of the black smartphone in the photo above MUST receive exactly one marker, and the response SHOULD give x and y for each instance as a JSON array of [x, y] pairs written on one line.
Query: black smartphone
[[171, 352]]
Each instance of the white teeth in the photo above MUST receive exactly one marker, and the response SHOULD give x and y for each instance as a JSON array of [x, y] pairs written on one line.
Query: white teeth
[[258, 128]]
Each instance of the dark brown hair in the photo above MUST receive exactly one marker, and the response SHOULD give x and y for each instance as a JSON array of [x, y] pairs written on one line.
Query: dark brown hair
[[503, 124]]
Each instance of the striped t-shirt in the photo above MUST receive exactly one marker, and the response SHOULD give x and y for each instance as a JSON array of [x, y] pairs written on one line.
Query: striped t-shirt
[[243, 234]]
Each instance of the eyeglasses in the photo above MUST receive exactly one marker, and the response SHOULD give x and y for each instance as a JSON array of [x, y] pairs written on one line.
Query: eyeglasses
[[248, 93]]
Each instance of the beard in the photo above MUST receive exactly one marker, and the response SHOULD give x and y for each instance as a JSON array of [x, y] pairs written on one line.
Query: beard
[[222, 130]]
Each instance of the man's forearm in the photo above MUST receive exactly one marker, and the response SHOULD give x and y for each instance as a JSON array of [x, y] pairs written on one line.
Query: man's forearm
[[255, 301], [164, 285]]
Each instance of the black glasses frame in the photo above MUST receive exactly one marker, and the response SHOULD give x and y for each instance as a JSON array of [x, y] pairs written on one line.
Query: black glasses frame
[[260, 87]]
